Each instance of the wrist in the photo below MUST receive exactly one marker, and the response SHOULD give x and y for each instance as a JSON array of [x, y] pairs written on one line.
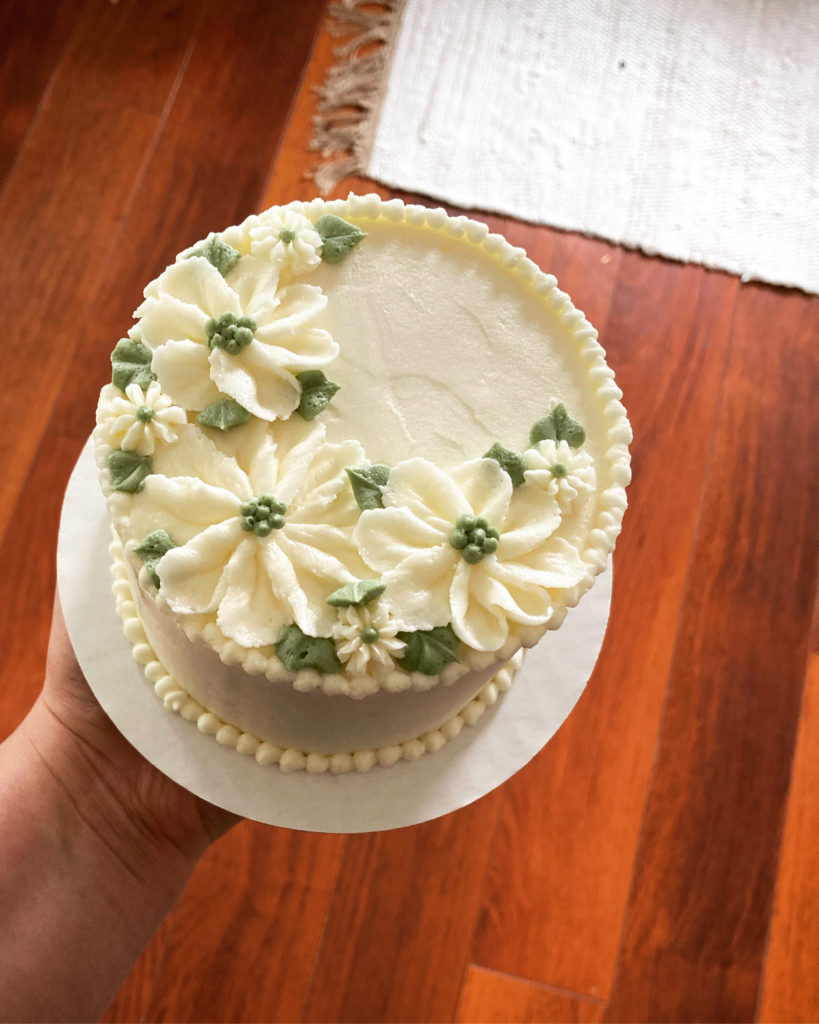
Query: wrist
[[85, 781], [83, 886]]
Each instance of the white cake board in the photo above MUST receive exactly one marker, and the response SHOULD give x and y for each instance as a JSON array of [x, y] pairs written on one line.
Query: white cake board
[[483, 756]]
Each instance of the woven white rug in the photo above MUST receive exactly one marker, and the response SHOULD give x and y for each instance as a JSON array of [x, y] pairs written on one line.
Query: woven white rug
[[686, 128]]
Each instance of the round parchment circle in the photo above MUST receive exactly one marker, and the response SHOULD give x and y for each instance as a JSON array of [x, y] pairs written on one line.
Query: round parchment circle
[[483, 756]]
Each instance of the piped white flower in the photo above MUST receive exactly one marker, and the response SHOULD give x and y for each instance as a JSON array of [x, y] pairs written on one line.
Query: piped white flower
[[136, 420], [239, 335], [462, 548], [261, 544], [288, 238], [563, 472], [366, 639]]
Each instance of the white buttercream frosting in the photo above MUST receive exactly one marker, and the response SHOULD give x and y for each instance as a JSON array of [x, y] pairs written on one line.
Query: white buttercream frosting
[[288, 758], [429, 581], [136, 420], [367, 639], [255, 585], [444, 340], [191, 294], [565, 473], [286, 237]]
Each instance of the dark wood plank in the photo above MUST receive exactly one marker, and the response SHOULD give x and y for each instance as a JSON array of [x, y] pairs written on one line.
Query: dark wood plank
[[28, 552], [488, 997], [790, 990], [244, 935], [68, 195], [401, 923], [33, 38], [209, 167], [704, 879], [560, 870]]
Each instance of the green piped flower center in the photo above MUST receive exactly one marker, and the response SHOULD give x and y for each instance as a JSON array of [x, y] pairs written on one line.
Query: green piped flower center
[[558, 470], [263, 514], [369, 634], [145, 414], [287, 235], [230, 332], [474, 538]]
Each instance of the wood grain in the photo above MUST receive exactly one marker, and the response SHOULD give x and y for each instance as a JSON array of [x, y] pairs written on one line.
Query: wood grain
[[242, 951], [401, 923], [494, 998], [790, 990], [33, 38], [706, 866], [66, 198], [560, 870]]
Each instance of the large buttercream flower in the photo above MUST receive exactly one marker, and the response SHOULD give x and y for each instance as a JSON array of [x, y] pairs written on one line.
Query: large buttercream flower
[[238, 335], [463, 548], [136, 420], [366, 639], [288, 238], [261, 544], [563, 472]]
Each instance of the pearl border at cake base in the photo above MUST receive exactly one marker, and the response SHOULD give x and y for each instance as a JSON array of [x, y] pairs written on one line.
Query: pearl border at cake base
[[482, 757]]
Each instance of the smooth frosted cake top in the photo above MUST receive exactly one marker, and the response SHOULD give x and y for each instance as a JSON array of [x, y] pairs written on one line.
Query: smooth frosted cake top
[[362, 445]]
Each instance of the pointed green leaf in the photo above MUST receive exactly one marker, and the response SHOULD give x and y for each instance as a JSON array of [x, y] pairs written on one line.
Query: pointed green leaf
[[428, 650], [128, 470], [131, 364], [558, 426], [316, 392], [296, 650], [224, 415], [512, 462], [217, 252], [339, 237], [152, 549], [367, 482], [360, 592]]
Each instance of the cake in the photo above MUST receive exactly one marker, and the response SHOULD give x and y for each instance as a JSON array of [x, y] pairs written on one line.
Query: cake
[[358, 455]]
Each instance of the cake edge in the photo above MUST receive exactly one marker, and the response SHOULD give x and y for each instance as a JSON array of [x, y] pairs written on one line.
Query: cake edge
[[176, 699]]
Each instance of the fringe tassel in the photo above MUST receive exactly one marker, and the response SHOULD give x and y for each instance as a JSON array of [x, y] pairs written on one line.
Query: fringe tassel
[[350, 97]]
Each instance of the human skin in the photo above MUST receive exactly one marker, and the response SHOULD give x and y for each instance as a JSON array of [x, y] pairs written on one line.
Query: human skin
[[95, 846]]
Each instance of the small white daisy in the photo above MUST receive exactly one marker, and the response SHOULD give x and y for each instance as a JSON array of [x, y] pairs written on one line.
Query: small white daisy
[[565, 473], [136, 420], [366, 639], [288, 238]]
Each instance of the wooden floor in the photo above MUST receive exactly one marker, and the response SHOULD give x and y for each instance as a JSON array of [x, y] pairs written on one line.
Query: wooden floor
[[658, 861]]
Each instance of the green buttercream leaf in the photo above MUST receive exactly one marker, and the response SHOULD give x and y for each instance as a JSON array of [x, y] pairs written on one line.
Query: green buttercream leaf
[[224, 415], [512, 462], [128, 470], [297, 650], [131, 364], [367, 482], [339, 237], [316, 392], [217, 252], [360, 592], [428, 650], [152, 549], [558, 426]]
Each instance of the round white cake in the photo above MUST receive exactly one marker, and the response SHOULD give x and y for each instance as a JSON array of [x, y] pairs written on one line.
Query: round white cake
[[357, 455]]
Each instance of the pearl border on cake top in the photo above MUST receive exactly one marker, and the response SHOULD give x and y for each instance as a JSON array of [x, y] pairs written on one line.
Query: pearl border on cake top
[[612, 502], [288, 759]]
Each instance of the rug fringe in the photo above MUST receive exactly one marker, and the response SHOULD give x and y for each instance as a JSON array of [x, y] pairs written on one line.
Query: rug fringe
[[350, 96]]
